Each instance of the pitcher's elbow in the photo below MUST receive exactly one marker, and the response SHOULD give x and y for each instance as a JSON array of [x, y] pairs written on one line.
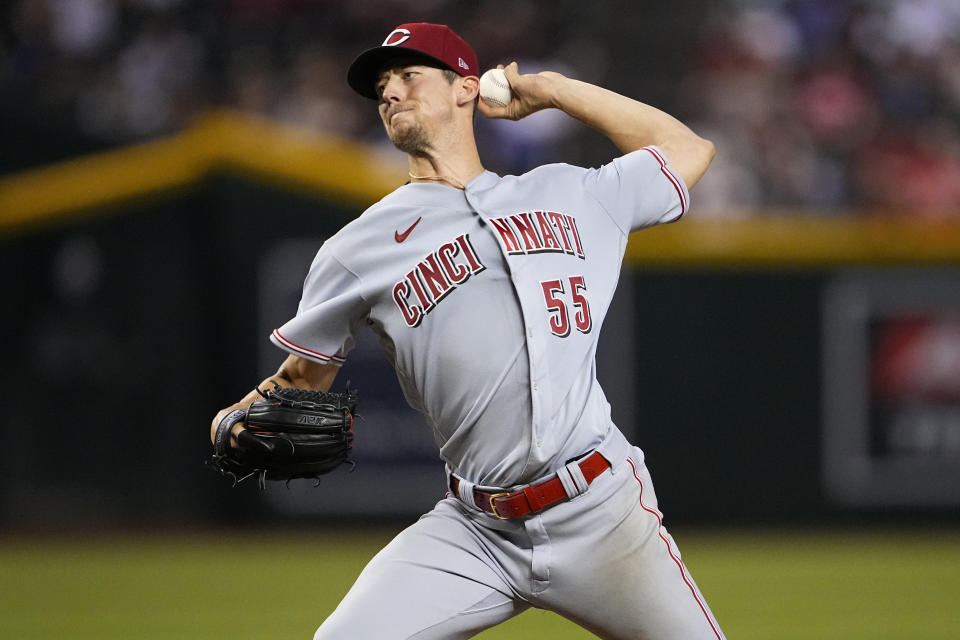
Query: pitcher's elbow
[[708, 149]]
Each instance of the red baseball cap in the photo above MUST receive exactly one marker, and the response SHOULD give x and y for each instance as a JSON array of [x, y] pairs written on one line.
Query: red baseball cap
[[437, 44]]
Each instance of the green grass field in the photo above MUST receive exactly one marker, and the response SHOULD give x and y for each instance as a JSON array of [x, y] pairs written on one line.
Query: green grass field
[[772, 585]]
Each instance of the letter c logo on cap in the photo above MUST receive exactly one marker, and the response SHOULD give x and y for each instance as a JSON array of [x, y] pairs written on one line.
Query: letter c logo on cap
[[404, 36]]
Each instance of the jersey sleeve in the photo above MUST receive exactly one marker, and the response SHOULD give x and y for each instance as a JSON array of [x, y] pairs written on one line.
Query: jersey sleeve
[[639, 189], [330, 311]]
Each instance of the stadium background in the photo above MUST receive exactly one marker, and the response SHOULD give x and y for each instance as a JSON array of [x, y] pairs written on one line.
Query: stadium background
[[788, 356]]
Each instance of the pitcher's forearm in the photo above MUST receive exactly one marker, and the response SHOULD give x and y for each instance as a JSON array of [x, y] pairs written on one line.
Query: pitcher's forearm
[[631, 125]]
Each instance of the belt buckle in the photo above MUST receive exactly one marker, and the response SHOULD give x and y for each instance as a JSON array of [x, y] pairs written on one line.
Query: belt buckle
[[493, 507]]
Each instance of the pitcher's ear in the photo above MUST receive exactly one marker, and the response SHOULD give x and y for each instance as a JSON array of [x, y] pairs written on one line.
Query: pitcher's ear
[[469, 90]]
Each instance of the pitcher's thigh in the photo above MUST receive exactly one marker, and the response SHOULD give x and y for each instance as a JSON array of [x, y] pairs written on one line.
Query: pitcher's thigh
[[653, 596], [628, 580], [432, 581]]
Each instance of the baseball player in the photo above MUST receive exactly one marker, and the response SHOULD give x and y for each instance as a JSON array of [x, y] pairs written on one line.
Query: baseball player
[[488, 294]]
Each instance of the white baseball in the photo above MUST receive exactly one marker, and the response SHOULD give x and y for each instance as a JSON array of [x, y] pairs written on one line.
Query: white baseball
[[494, 88]]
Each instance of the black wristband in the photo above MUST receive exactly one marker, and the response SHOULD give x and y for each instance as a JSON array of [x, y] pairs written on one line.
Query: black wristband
[[221, 441]]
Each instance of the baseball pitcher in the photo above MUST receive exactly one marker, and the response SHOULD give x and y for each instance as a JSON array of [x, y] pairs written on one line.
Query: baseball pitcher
[[488, 293]]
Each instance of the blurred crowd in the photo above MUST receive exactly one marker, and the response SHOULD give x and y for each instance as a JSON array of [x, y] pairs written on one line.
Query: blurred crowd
[[835, 105], [831, 104]]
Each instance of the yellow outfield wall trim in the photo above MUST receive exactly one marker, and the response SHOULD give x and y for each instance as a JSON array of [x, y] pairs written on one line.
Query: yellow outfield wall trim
[[72, 187], [305, 160], [294, 157], [808, 240], [297, 157]]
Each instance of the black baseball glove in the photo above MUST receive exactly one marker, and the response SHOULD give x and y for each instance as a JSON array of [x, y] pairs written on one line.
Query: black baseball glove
[[290, 433]]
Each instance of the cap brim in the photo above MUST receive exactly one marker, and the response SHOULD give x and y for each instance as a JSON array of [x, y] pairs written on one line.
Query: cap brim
[[362, 74]]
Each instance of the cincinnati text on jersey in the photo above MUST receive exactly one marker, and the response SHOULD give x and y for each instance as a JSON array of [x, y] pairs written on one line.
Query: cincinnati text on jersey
[[538, 232], [434, 278]]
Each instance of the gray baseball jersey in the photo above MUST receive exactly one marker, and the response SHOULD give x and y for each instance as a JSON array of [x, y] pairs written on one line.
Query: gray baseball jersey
[[489, 301]]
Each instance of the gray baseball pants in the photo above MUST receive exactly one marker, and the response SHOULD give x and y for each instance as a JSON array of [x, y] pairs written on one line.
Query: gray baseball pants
[[603, 560]]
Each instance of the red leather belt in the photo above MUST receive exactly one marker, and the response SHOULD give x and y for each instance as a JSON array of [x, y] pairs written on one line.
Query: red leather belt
[[535, 497]]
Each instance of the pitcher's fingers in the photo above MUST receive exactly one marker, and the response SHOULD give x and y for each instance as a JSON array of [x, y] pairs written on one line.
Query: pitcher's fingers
[[491, 111], [512, 71]]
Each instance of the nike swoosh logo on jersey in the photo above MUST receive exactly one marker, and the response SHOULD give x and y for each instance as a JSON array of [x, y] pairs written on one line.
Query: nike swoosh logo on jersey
[[400, 237]]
